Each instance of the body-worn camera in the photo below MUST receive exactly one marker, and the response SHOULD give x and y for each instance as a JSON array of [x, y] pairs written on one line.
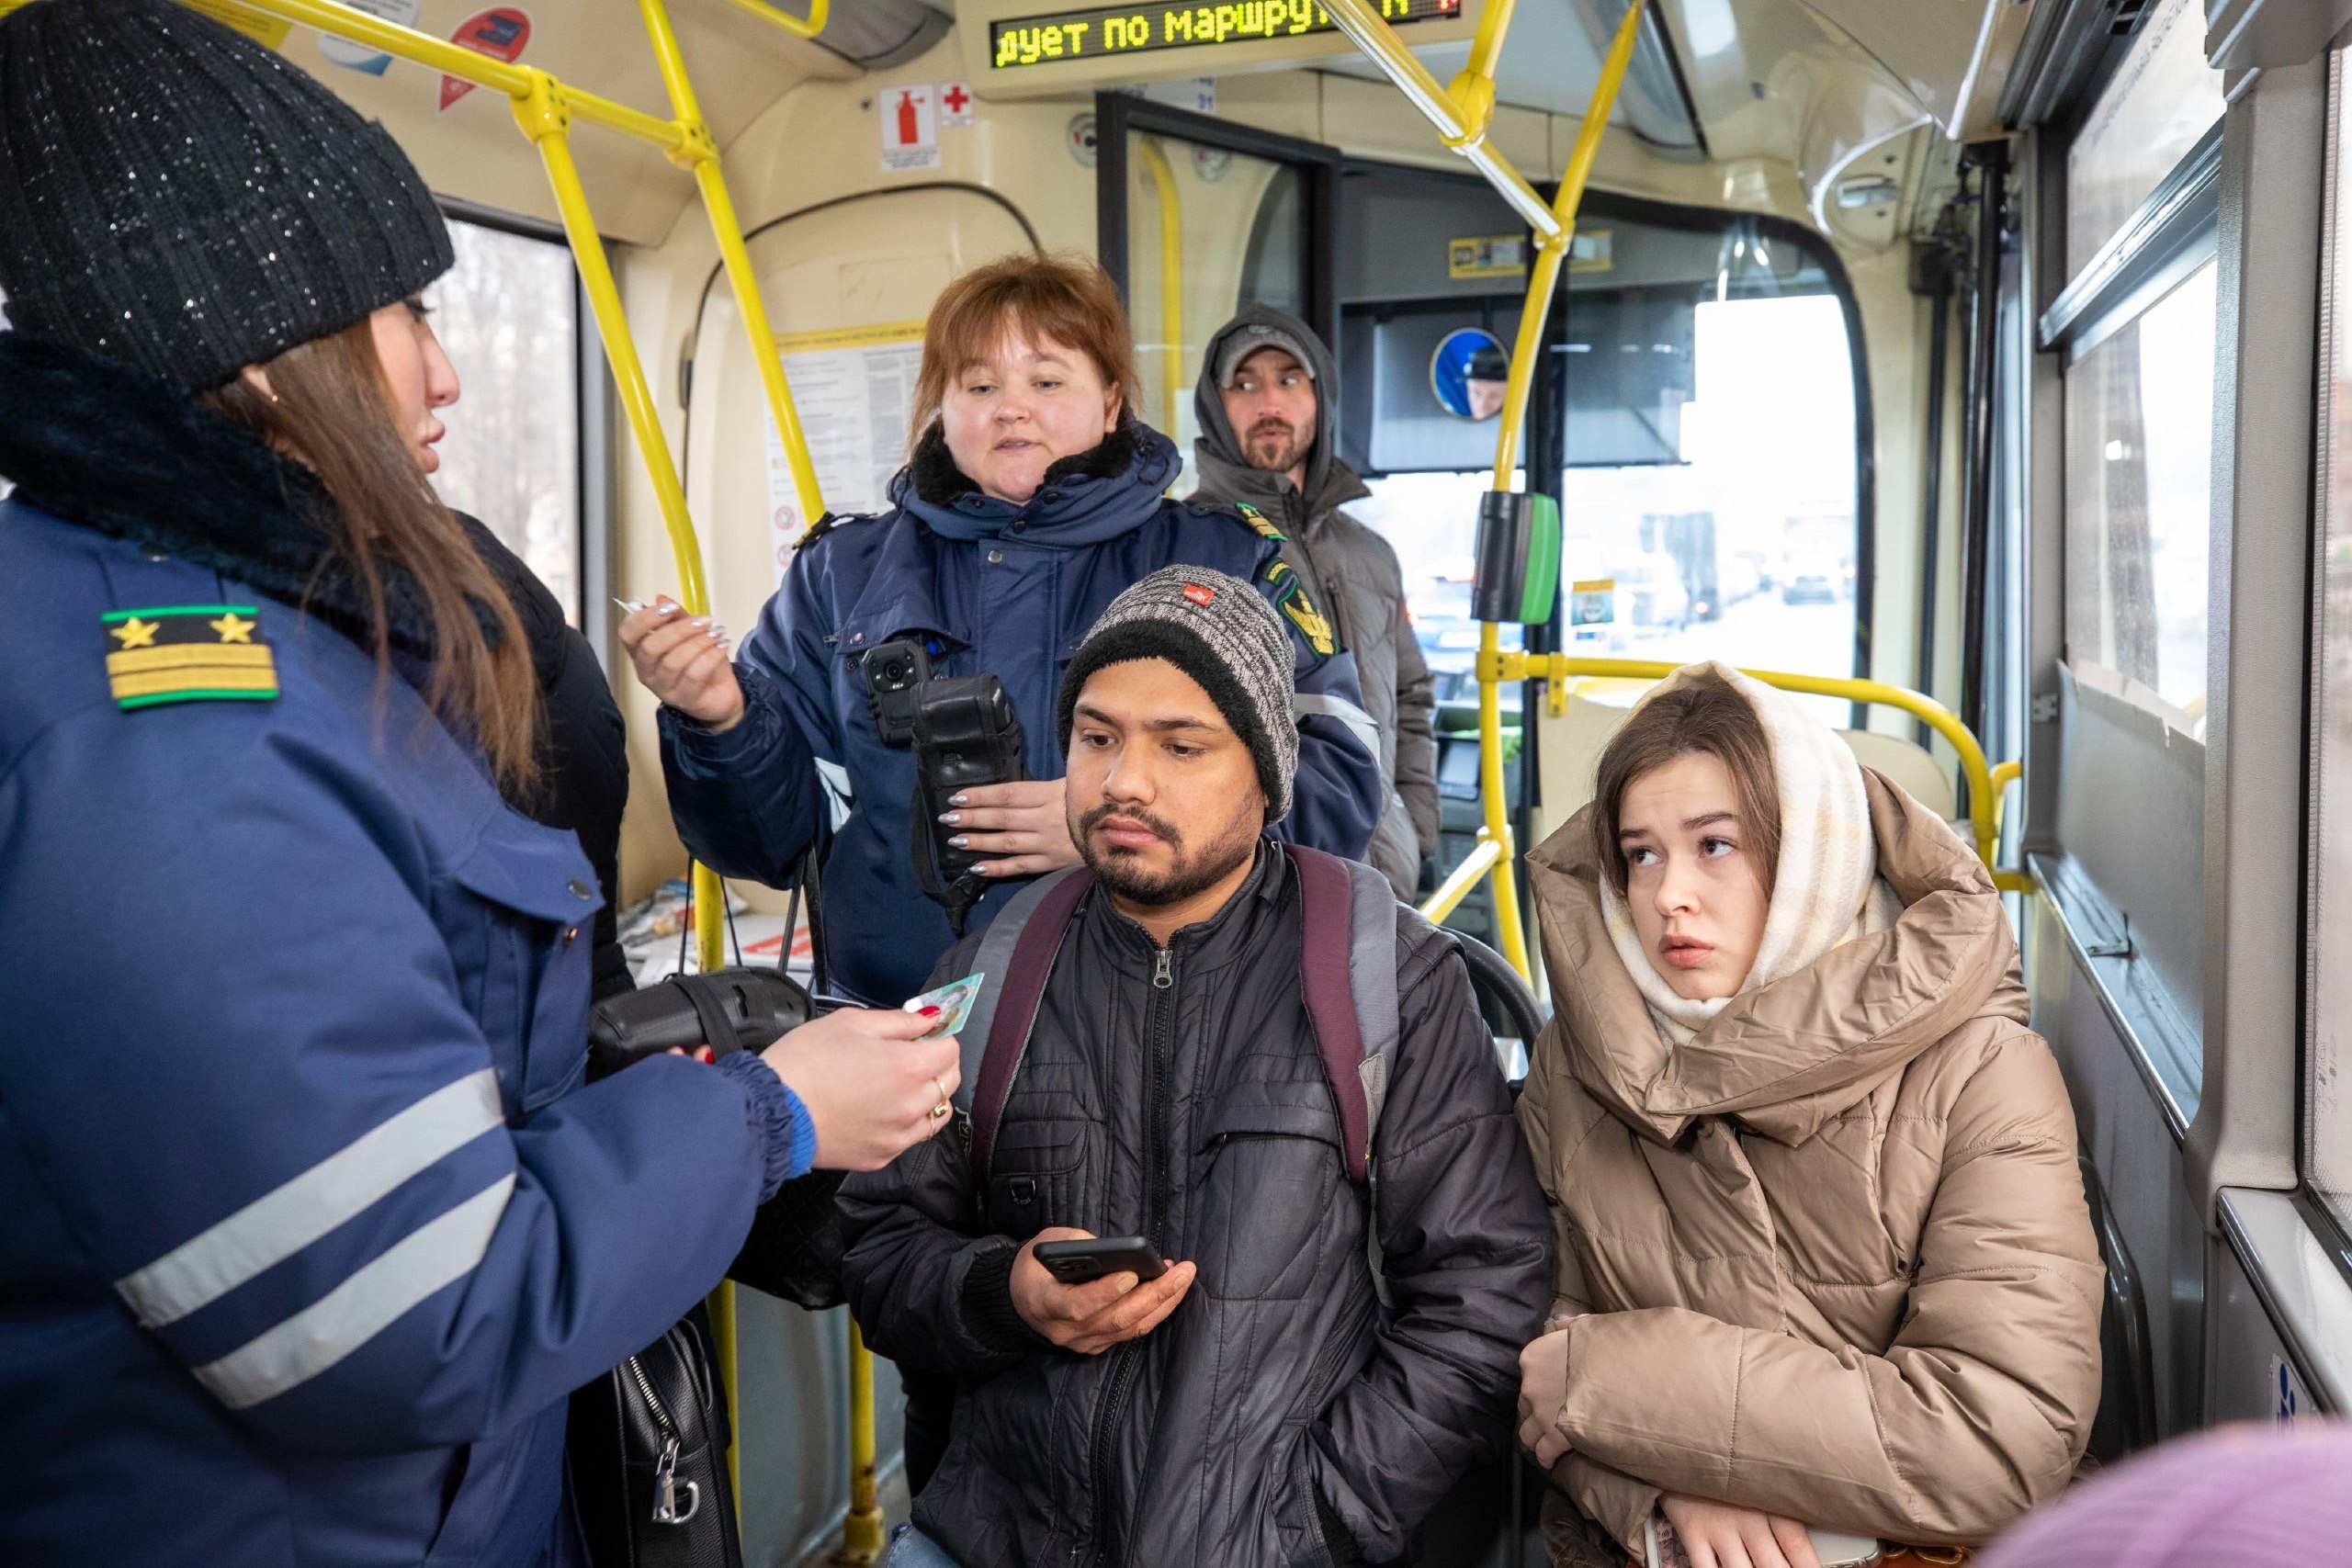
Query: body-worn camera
[[963, 732]]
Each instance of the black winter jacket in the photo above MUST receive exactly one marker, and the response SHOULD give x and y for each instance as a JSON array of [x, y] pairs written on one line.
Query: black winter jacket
[[1281, 1415]]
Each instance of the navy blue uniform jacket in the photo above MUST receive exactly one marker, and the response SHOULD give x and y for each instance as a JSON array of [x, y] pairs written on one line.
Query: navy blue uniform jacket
[[310, 1223], [997, 588]]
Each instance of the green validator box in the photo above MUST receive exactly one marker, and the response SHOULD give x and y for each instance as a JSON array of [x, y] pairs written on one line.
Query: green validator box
[[1518, 555]]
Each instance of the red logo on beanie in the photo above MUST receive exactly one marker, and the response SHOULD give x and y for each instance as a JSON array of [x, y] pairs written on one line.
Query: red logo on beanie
[[1198, 594]]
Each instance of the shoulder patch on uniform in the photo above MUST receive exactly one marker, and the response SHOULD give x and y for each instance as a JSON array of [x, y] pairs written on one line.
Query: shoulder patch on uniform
[[822, 527], [188, 653], [1293, 602], [1256, 520]]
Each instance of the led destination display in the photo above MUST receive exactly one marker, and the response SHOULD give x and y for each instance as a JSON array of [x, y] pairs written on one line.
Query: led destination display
[[1104, 31]]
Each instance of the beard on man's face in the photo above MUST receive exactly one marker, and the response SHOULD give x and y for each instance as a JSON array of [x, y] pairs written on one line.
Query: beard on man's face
[[1273, 445], [1187, 872]]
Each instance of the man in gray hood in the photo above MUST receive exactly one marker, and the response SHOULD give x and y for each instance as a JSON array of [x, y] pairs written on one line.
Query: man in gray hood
[[1269, 416]]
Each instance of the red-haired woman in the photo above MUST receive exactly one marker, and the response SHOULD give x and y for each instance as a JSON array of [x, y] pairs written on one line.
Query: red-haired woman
[[1033, 496], [1824, 1272]]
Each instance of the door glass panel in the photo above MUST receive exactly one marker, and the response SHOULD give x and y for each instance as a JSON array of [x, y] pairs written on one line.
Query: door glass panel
[[2139, 494], [2146, 121], [507, 315], [1709, 500], [1209, 230], [2327, 1049]]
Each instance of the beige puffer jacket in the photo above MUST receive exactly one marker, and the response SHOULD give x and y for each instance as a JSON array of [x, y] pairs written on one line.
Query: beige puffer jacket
[[1833, 1256]]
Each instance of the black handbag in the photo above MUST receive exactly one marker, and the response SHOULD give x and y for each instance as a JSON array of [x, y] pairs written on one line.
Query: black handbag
[[648, 1458], [649, 1439]]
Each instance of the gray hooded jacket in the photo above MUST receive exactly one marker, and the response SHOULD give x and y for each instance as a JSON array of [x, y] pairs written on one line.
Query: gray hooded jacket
[[1352, 573]]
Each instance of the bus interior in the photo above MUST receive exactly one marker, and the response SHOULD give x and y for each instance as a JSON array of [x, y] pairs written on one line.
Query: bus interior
[[1957, 361]]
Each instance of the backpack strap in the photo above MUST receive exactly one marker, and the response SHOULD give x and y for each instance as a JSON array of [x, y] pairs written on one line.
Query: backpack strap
[[1347, 976], [1015, 955]]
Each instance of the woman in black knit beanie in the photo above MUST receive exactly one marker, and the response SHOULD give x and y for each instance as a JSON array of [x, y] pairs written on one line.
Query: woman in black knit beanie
[[311, 1225]]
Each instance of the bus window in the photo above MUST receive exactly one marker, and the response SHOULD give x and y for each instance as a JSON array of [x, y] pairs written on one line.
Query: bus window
[[1710, 478], [2327, 1037], [506, 313], [2139, 509], [2160, 104]]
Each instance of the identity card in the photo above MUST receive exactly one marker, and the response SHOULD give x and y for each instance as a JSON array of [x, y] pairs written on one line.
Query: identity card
[[953, 1001]]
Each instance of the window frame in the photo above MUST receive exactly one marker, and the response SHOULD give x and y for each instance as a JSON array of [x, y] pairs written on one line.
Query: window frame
[[592, 517]]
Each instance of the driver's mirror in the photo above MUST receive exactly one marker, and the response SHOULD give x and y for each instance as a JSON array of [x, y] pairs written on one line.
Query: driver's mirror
[[1468, 372]]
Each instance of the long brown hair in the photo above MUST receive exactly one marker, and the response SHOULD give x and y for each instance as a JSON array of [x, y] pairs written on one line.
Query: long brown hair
[[1063, 298], [329, 406], [1701, 713]]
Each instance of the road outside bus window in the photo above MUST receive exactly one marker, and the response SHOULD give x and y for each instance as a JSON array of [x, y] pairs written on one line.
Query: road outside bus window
[[506, 314], [1743, 550], [2139, 504]]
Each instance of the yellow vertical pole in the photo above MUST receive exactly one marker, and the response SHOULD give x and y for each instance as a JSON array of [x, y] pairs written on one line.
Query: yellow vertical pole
[[541, 115], [1542, 281], [862, 1530], [700, 154], [1172, 279]]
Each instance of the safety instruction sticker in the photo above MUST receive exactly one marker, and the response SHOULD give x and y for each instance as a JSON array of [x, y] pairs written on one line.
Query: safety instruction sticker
[[1591, 250], [358, 56], [1486, 255], [956, 110], [908, 113], [854, 392], [499, 32]]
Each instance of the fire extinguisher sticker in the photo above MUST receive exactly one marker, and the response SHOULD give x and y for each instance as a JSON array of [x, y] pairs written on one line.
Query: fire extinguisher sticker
[[909, 114]]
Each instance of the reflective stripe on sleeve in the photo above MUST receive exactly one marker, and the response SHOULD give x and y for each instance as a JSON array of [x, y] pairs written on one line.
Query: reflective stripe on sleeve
[[361, 1307], [1310, 705], [278, 1225]]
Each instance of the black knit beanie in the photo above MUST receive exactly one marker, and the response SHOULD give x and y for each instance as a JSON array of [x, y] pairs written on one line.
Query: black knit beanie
[[1222, 633], [174, 195]]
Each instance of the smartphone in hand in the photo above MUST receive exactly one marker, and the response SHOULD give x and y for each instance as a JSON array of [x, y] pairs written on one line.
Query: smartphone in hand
[[1088, 1259]]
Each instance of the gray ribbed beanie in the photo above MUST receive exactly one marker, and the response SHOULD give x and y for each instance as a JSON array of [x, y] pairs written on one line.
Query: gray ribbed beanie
[[1222, 633], [174, 195]]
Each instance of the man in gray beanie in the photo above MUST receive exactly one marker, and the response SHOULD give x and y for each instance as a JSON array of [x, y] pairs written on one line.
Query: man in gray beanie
[[1168, 1090]]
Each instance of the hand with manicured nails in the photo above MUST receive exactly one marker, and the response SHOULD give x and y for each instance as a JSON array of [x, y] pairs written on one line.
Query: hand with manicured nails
[[682, 660], [1724, 1535], [1092, 1317], [871, 1083], [1028, 822]]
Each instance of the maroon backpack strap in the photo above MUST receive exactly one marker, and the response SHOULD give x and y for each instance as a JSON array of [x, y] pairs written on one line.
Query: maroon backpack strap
[[1023, 988], [1327, 929]]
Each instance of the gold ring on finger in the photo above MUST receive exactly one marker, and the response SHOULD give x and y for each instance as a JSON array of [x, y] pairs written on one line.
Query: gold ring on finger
[[939, 1111]]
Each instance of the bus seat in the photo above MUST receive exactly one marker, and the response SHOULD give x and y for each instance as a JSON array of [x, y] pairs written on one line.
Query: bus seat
[[2126, 1421], [1569, 747], [1911, 765]]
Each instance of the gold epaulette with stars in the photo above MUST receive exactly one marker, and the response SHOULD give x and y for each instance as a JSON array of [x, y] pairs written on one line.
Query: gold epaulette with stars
[[188, 653]]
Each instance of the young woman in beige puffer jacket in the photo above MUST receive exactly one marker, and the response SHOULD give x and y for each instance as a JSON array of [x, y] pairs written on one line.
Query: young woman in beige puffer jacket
[[1822, 1258]]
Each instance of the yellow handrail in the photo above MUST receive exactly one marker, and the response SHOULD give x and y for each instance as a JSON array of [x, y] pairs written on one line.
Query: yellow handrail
[[1464, 132], [1172, 278], [1462, 878], [1982, 791]]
